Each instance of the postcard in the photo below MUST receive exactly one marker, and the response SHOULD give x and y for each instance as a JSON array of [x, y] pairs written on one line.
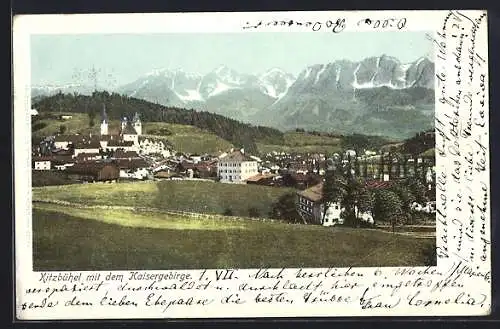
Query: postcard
[[264, 164]]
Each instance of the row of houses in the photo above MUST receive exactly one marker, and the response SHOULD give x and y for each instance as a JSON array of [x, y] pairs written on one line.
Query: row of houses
[[134, 156], [128, 164], [228, 167], [94, 144]]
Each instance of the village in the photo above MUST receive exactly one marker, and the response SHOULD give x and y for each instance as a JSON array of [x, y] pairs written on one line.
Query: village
[[125, 154]]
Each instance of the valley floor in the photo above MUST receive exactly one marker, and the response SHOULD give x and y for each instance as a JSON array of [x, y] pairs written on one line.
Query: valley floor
[[92, 238]]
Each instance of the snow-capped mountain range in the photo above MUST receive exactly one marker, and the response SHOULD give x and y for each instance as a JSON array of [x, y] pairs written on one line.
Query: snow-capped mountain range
[[316, 97], [176, 87], [51, 89], [374, 95]]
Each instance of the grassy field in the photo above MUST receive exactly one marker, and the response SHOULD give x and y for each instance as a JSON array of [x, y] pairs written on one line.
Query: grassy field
[[429, 153], [194, 196], [79, 123], [67, 238], [46, 178], [297, 142], [189, 139]]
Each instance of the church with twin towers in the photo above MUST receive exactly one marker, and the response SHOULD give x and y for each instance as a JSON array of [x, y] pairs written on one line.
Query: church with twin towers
[[130, 130]]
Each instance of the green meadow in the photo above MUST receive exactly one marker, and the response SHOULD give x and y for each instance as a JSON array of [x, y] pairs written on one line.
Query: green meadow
[[134, 226], [192, 196], [72, 238]]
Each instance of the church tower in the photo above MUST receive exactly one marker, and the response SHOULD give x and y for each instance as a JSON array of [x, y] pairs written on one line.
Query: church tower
[[104, 121], [124, 124], [137, 124]]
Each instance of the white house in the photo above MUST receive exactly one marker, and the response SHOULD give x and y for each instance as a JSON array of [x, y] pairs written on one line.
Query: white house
[[63, 141], [195, 158], [130, 131], [130, 135], [139, 173], [236, 167], [133, 168], [332, 216], [87, 147], [311, 208], [350, 153], [41, 164], [60, 144]]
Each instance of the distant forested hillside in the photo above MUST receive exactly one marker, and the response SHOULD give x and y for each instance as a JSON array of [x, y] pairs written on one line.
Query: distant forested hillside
[[117, 106], [420, 143]]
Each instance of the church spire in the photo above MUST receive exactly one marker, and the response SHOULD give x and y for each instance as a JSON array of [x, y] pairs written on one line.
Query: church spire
[[104, 114], [104, 121], [137, 123]]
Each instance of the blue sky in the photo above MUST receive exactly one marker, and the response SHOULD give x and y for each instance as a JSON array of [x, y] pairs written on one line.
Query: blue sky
[[121, 58]]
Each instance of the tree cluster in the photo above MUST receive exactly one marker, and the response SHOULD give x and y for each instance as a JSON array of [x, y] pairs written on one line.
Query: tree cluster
[[391, 205], [359, 142], [343, 187], [285, 209], [421, 142]]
